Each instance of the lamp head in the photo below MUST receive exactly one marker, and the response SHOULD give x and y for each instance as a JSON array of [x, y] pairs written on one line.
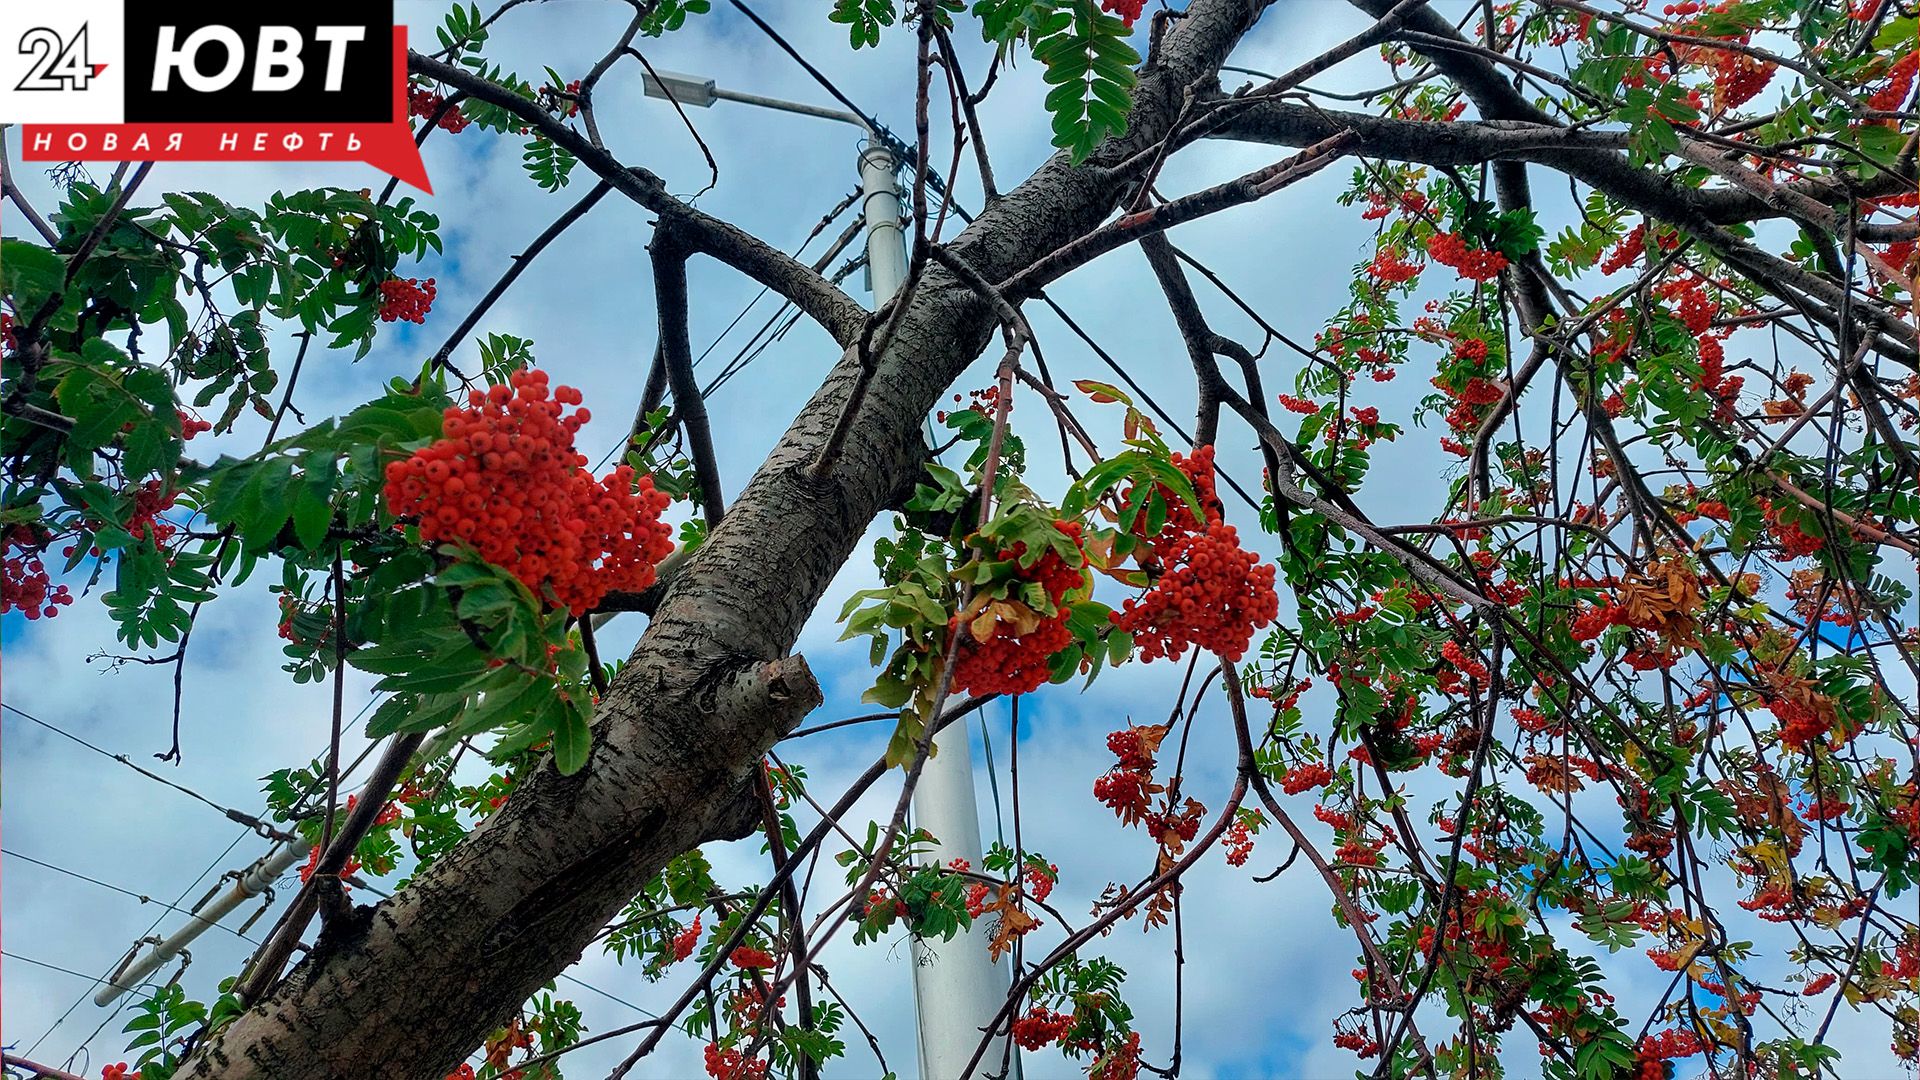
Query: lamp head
[[685, 89]]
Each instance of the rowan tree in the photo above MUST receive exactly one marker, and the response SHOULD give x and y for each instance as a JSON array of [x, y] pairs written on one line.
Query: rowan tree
[[1655, 646]]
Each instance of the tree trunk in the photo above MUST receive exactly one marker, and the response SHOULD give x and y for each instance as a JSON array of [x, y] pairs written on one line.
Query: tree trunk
[[406, 989]]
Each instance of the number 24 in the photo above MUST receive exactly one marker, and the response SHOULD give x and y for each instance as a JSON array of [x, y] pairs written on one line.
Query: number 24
[[57, 65]]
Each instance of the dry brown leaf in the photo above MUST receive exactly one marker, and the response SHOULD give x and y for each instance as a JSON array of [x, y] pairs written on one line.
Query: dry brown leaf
[[1549, 773], [1664, 600], [1012, 925]]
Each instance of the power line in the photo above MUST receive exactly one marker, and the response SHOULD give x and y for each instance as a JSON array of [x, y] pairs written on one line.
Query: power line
[[820, 226], [50, 967], [1141, 393], [755, 346], [254, 825], [241, 817], [237, 816], [117, 1009], [827, 219], [901, 151], [96, 981], [245, 819], [142, 897], [818, 76], [611, 997]]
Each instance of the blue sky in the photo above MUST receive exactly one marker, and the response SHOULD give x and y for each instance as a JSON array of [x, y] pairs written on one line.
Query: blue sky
[[1267, 967]]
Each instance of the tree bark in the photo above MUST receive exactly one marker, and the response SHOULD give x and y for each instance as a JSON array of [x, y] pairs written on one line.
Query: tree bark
[[404, 990]]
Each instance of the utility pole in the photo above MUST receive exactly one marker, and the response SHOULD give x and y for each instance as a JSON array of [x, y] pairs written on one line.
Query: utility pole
[[957, 988]]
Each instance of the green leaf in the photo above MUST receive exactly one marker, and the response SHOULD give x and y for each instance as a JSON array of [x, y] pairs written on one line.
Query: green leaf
[[149, 449], [1089, 63], [1896, 34], [405, 713], [29, 274], [433, 682], [265, 504], [313, 505], [572, 741]]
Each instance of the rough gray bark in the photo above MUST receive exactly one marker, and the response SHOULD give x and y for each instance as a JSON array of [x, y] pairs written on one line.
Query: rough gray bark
[[406, 989]]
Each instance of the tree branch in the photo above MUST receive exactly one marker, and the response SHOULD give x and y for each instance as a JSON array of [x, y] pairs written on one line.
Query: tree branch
[[705, 234], [689, 404], [520, 264], [1245, 189]]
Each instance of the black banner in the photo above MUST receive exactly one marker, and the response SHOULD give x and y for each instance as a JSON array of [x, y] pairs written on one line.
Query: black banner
[[260, 63]]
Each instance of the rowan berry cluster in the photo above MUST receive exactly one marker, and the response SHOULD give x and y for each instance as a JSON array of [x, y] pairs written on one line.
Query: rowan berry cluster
[[407, 299], [1389, 267], [507, 481], [1128, 787], [1899, 81], [1627, 251], [425, 103], [748, 1004], [985, 401], [146, 522], [1650, 838], [24, 583], [1409, 201], [1802, 721], [1040, 1027], [1464, 921], [567, 101], [1210, 592], [1128, 10], [1657, 1048], [1462, 664], [1774, 903], [1594, 621], [685, 940], [1004, 664], [118, 1072], [1301, 777], [1738, 78], [288, 609], [1122, 1062], [1794, 542], [1360, 851], [313, 864], [1040, 881], [1362, 1044], [1008, 662], [1181, 521], [1238, 842], [733, 1064], [748, 958], [1471, 395], [1126, 793], [1475, 264], [191, 425]]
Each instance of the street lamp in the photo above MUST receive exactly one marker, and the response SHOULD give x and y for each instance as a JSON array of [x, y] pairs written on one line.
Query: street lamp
[[880, 195], [957, 988]]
